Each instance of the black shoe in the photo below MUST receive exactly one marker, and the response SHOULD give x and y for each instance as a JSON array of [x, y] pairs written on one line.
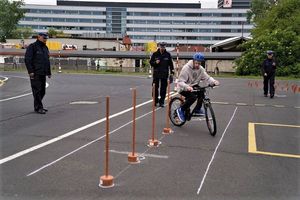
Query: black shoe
[[272, 96], [40, 111], [46, 110], [161, 105]]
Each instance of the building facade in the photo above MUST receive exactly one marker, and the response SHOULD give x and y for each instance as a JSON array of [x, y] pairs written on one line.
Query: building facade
[[243, 4], [184, 23]]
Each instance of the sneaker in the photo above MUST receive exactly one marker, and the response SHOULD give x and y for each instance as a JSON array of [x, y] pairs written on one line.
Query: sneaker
[[180, 114], [199, 112]]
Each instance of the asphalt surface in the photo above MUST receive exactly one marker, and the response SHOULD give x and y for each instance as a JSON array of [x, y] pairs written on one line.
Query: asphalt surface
[[60, 155]]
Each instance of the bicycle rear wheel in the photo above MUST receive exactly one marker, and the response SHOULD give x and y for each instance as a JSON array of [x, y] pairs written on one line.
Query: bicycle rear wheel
[[175, 103], [210, 119]]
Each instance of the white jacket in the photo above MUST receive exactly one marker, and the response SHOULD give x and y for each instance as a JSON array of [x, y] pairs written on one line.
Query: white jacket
[[190, 77]]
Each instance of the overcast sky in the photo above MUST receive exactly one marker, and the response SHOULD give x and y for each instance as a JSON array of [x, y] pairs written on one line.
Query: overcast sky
[[205, 3]]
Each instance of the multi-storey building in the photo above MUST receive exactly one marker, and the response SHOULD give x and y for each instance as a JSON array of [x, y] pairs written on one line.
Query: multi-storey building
[[183, 23]]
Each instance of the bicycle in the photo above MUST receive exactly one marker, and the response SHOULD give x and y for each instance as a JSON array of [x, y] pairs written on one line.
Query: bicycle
[[209, 115]]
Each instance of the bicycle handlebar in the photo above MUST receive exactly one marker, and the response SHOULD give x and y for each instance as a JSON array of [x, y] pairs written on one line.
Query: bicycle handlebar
[[201, 88]]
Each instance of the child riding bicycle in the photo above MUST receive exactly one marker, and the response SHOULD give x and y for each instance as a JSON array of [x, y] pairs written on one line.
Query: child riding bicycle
[[190, 76]]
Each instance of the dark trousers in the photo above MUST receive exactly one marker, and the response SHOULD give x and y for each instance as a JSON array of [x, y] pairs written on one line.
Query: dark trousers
[[38, 86], [190, 98], [269, 80], [160, 84]]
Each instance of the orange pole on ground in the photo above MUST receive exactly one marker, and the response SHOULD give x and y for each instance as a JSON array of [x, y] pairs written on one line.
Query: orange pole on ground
[[153, 141], [168, 130], [132, 157], [106, 180]]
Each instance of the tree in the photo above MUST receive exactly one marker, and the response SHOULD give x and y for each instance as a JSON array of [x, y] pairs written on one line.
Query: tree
[[22, 33], [54, 33], [258, 9], [279, 31], [10, 14]]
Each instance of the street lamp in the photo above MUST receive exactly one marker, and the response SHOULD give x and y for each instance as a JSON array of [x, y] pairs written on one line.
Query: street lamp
[[243, 29], [98, 41]]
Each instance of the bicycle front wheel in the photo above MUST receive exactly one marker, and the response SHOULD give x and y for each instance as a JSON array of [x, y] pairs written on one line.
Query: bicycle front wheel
[[175, 103], [210, 119]]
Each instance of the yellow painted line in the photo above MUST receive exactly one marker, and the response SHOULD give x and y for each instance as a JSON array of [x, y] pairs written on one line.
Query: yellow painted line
[[1, 83], [278, 154], [241, 104], [251, 138], [252, 148], [257, 104], [283, 125], [279, 106]]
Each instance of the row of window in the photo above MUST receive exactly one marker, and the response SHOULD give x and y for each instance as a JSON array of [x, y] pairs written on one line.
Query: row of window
[[174, 30], [169, 14], [123, 28], [42, 19], [176, 22], [69, 12], [123, 12], [141, 37], [62, 28], [123, 21]]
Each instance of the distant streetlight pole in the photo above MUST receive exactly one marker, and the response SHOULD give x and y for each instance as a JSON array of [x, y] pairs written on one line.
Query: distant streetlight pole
[[98, 41], [243, 29]]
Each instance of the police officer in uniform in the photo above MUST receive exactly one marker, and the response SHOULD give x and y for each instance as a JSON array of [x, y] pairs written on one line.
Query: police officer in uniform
[[38, 67], [268, 70], [162, 64]]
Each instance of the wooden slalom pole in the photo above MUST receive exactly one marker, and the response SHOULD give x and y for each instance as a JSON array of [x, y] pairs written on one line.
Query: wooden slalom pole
[[168, 129], [153, 142], [107, 181], [133, 157]]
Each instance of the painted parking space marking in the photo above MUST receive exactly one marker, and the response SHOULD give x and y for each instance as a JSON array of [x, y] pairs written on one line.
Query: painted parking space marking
[[252, 147]]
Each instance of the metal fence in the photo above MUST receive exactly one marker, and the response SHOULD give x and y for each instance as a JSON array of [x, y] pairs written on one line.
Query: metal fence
[[77, 64]]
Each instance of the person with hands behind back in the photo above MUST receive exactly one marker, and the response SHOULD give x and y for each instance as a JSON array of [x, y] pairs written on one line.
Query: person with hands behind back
[[190, 76], [162, 64], [38, 66], [268, 71]]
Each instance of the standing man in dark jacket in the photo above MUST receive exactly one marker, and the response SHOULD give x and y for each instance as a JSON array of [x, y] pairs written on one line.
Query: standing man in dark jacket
[[162, 63], [268, 70], [38, 67]]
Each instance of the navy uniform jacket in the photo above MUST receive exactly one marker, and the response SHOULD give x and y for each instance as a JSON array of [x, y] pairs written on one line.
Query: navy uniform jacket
[[267, 66], [37, 59], [162, 69]]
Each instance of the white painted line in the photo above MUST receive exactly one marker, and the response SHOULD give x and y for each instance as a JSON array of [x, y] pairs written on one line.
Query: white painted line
[[4, 78], [83, 102], [279, 106], [280, 95], [146, 155], [224, 103], [213, 156], [74, 151], [19, 96], [297, 107], [26, 151], [257, 104], [241, 104]]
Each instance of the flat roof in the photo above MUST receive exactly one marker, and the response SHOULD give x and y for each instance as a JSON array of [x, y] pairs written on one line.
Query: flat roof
[[129, 4]]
